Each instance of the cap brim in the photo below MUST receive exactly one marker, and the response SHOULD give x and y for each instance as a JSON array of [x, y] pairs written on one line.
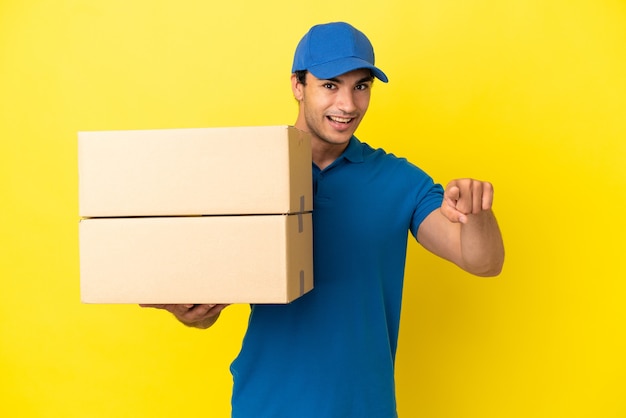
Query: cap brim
[[336, 68]]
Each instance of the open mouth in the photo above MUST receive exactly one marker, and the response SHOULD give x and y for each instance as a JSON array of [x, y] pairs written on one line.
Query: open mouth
[[339, 119]]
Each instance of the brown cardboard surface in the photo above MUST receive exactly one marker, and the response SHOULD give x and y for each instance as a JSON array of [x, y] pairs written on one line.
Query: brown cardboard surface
[[197, 259], [197, 171]]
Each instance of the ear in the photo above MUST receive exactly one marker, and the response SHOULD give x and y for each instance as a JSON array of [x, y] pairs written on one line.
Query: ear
[[297, 88]]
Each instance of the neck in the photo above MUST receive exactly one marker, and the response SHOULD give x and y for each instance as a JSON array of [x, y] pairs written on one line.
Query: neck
[[323, 153]]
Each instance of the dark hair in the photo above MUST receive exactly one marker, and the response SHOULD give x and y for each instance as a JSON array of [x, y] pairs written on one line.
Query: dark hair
[[301, 76]]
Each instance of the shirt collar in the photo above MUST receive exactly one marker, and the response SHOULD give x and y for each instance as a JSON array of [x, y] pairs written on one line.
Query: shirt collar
[[353, 152]]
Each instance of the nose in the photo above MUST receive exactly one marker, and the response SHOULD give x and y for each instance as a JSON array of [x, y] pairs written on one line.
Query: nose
[[345, 100]]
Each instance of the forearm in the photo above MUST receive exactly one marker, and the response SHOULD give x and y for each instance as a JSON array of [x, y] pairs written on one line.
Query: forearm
[[482, 248]]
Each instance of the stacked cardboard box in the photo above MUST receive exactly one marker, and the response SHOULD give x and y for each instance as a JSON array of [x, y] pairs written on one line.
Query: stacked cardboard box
[[206, 215]]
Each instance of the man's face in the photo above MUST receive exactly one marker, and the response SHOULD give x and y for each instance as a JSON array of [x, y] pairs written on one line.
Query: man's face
[[331, 110]]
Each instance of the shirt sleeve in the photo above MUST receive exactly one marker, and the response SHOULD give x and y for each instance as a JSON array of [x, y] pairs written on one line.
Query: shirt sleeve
[[428, 198]]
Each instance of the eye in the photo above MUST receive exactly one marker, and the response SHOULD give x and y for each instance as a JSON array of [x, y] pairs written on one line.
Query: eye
[[363, 86], [328, 86]]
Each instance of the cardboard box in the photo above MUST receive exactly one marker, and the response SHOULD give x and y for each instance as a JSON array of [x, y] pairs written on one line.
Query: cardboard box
[[196, 259], [216, 171]]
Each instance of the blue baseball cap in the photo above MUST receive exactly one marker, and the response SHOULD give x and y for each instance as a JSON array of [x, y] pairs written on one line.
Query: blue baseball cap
[[331, 49]]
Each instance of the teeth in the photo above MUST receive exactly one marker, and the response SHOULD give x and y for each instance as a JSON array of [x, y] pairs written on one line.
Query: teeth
[[341, 120]]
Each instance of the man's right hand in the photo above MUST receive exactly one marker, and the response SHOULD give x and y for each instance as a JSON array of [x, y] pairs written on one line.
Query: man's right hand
[[197, 316]]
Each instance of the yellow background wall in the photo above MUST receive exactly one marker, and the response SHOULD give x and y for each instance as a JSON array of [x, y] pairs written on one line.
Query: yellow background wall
[[529, 94]]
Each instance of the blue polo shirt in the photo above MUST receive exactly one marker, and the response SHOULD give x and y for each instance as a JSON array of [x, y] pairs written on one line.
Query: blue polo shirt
[[331, 353]]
